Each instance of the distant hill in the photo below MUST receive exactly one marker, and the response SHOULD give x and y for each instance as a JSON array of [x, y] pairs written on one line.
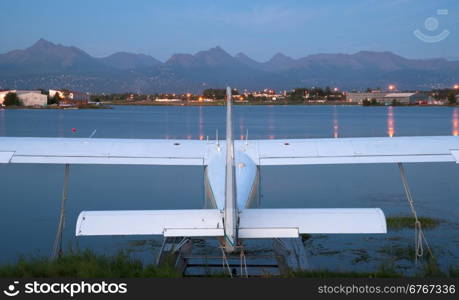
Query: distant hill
[[48, 65], [44, 57], [244, 59], [130, 61], [279, 62]]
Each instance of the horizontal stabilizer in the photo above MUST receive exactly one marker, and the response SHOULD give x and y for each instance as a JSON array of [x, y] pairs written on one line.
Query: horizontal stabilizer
[[190, 223], [455, 154], [290, 223], [5, 157]]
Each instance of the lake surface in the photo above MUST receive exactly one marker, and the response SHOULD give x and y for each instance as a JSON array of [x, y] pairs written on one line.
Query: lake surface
[[30, 194]]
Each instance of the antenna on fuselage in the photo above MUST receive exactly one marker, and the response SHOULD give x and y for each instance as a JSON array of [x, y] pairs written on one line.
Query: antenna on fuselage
[[218, 141], [93, 133], [247, 138]]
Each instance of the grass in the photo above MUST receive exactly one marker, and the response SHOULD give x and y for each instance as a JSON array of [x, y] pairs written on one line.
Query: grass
[[454, 272], [431, 269], [428, 269], [87, 264], [402, 222]]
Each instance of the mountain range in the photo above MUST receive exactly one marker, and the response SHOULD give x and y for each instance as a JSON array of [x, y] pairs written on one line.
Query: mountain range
[[48, 65]]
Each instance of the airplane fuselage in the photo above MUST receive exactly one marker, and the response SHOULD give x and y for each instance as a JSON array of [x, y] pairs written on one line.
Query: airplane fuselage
[[245, 184], [246, 174]]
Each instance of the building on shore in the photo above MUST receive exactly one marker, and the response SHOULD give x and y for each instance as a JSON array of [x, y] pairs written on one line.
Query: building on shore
[[264, 95], [167, 100], [70, 98], [27, 98], [2, 96], [61, 93], [387, 97]]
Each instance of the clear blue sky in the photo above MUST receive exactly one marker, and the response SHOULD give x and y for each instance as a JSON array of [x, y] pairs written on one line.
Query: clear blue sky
[[257, 28]]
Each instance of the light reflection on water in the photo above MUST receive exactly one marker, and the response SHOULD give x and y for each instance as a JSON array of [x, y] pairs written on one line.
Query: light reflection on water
[[455, 123], [31, 193], [335, 124], [201, 123], [390, 121], [2, 122]]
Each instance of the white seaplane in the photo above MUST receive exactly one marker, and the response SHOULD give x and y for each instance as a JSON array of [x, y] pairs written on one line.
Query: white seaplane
[[231, 178]]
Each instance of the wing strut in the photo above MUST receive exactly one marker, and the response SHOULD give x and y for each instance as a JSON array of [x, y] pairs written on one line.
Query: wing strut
[[419, 236], [57, 247]]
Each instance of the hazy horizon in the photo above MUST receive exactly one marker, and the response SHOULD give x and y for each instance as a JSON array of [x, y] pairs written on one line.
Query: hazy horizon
[[258, 29]]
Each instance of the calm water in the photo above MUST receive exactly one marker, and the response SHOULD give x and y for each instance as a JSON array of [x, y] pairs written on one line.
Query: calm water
[[30, 194]]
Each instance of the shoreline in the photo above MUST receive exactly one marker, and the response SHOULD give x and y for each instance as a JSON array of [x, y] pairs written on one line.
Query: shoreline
[[90, 106], [223, 103], [109, 105]]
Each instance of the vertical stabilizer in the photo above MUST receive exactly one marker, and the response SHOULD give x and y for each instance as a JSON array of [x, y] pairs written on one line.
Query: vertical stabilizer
[[230, 213]]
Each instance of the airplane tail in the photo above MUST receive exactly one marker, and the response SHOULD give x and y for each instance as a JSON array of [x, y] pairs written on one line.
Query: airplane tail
[[230, 209], [231, 224]]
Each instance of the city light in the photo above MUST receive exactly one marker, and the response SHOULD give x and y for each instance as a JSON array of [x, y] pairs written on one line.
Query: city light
[[391, 87], [456, 87]]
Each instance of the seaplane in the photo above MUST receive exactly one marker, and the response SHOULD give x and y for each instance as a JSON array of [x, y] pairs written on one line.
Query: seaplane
[[232, 172]]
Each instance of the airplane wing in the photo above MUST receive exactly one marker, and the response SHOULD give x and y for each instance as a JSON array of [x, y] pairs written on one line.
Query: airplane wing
[[263, 152], [354, 150], [101, 151]]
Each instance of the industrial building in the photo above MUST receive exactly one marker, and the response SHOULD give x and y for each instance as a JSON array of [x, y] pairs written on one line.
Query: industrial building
[[387, 97], [2, 96], [27, 98]]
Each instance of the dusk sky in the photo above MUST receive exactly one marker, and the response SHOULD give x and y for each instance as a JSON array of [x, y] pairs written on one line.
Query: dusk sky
[[257, 28]]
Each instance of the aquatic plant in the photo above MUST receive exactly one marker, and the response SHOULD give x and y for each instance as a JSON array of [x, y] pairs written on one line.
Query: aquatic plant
[[402, 222], [397, 252], [305, 237]]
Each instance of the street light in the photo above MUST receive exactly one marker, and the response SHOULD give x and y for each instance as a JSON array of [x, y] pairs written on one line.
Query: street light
[[391, 87]]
